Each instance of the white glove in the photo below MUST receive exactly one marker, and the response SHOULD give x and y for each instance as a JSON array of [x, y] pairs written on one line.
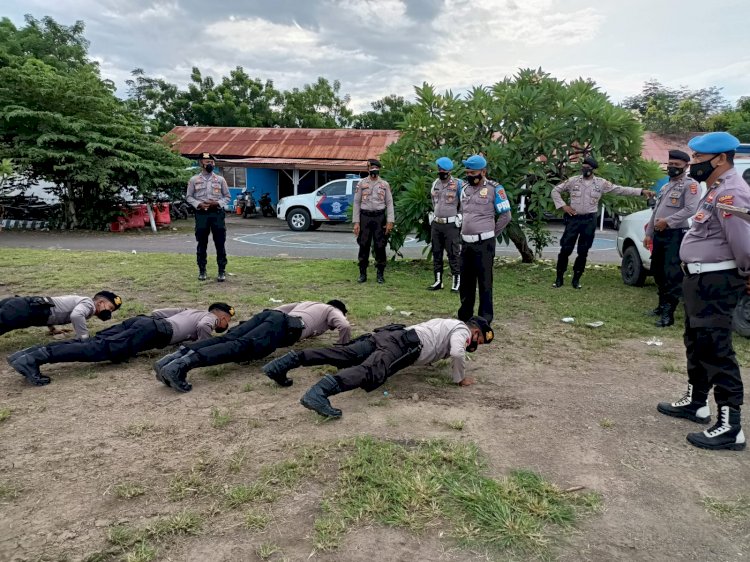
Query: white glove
[[459, 220]]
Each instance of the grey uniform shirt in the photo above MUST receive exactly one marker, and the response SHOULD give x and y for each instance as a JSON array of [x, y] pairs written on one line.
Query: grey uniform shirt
[[442, 338], [204, 187], [716, 235], [676, 203], [72, 309], [480, 203], [585, 193], [318, 319], [188, 324], [446, 196], [373, 195]]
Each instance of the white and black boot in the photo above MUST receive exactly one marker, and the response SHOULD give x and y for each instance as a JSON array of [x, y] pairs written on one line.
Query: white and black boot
[[692, 406], [456, 283], [438, 284], [725, 434]]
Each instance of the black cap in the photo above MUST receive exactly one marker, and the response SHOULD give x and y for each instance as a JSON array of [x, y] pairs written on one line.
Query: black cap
[[679, 155], [224, 307], [335, 303], [484, 326], [374, 162], [206, 156], [591, 162], [111, 297]]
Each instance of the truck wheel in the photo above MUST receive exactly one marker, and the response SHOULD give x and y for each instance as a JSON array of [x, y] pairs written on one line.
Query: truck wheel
[[298, 219], [632, 270]]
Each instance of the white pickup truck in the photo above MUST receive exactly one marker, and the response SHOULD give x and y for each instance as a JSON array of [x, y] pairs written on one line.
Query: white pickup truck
[[329, 203]]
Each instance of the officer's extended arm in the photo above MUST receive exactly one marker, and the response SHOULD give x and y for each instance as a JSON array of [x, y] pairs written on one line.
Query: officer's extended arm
[[78, 317], [337, 321], [609, 187], [205, 328], [458, 341], [502, 206]]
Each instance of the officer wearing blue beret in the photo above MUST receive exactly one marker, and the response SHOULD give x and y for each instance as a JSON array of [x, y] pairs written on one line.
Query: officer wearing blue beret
[[445, 224], [715, 254]]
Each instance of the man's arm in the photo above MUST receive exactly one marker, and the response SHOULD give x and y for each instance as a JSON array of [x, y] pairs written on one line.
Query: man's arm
[[502, 206], [78, 316], [459, 339], [557, 193], [190, 197], [337, 321], [736, 230], [205, 328], [389, 214], [225, 197], [356, 203], [609, 187]]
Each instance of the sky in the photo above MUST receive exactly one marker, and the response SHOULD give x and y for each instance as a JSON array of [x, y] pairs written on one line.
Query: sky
[[381, 47]]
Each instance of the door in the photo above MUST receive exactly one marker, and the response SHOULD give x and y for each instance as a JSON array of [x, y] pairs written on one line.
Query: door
[[331, 202]]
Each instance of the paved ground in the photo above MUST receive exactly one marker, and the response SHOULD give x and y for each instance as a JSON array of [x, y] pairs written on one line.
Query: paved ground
[[258, 237]]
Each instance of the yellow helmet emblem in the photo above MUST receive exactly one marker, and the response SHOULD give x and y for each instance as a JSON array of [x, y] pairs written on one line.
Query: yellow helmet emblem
[[118, 301], [489, 336]]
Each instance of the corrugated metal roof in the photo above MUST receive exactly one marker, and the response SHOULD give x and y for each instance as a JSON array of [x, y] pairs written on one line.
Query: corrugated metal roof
[[251, 142], [657, 146], [297, 164]]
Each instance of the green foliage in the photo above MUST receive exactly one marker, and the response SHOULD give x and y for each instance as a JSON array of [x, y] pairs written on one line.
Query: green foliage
[[735, 121], [387, 113]]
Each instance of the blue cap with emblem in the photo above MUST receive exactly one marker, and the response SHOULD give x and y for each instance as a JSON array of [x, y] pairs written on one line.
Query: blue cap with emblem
[[475, 162], [444, 163], [714, 143]]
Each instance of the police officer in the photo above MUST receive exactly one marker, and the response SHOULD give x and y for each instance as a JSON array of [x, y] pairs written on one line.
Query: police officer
[[371, 359], [675, 204], [445, 224], [716, 257], [580, 216], [262, 334], [372, 216], [209, 194], [481, 199], [24, 312], [122, 341]]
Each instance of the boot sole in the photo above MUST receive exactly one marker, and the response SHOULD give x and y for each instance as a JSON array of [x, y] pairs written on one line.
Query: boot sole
[[727, 447], [160, 378], [310, 407], [690, 417]]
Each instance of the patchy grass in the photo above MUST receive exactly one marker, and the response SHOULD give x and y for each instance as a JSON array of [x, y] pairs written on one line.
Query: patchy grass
[[247, 387], [606, 423], [241, 494], [266, 550], [138, 429], [143, 552], [728, 509], [220, 419], [4, 414], [128, 490], [458, 425], [237, 460], [256, 521], [191, 484], [8, 491]]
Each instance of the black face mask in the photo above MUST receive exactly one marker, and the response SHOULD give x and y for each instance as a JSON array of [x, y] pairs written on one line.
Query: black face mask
[[587, 172], [209, 168], [443, 175], [702, 171], [104, 315], [472, 346], [374, 173], [474, 180], [220, 329], [674, 171]]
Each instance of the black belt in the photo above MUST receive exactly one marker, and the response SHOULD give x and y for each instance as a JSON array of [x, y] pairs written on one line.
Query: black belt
[[208, 211], [583, 216], [373, 213]]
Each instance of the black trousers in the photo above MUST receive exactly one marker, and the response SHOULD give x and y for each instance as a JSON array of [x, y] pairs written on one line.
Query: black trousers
[[22, 312], [368, 363], [372, 229], [211, 222], [261, 335], [477, 260], [580, 228], [665, 264], [117, 343], [446, 237], [339, 356], [710, 300]]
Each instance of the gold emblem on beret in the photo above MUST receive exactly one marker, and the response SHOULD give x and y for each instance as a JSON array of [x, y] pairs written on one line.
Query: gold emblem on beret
[[118, 301]]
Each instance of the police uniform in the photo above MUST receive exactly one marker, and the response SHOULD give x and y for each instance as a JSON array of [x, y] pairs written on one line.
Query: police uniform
[[254, 339], [372, 210], [585, 194], [120, 342], [716, 257], [23, 312], [373, 358], [445, 224], [479, 204], [676, 203], [203, 188]]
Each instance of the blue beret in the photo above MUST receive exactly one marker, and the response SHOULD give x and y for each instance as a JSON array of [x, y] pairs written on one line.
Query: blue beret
[[714, 143], [444, 163], [475, 162]]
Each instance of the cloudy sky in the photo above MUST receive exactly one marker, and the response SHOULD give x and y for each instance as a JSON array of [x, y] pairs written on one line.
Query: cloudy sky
[[381, 47]]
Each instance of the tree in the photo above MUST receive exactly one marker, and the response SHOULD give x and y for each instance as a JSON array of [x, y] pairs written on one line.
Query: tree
[[735, 121], [317, 105], [532, 128], [388, 113]]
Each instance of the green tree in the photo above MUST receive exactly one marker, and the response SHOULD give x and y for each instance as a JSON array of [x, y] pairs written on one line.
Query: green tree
[[532, 128], [387, 113], [317, 105], [735, 121]]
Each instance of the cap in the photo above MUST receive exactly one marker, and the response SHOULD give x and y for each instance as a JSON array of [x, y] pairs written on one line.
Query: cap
[[335, 303], [679, 155], [591, 161], [206, 156], [444, 163], [111, 297], [224, 307], [475, 162], [483, 325], [714, 143], [374, 162]]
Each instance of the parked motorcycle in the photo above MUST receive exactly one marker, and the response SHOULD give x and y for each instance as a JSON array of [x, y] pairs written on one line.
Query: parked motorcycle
[[266, 206], [246, 202]]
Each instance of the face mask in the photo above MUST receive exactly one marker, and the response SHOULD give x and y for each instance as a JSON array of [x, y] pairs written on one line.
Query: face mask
[[674, 171], [374, 173], [702, 171], [472, 346], [209, 168], [443, 175], [220, 329], [474, 180], [587, 172], [104, 315]]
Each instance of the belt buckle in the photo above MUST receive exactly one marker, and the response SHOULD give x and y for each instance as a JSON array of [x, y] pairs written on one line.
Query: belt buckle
[[685, 269]]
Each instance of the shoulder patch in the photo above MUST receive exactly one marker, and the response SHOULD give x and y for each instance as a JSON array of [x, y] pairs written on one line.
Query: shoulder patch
[[726, 199], [501, 194], [694, 188]]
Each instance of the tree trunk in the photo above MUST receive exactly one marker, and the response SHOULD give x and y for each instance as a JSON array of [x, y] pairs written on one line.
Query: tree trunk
[[71, 219], [517, 236]]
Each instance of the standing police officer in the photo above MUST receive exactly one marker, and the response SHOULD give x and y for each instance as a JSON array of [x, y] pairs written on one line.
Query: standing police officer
[[481, 198], [716, 257], [580, 216], [675, 204], [209, 194], [445, 224], [373, 204]]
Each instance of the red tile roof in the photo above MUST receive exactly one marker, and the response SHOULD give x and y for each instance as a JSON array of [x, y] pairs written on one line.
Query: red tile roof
[[657, 146]]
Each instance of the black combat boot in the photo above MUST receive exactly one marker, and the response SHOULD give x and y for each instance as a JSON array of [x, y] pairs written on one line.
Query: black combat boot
[[456, 287], [279, 367], [316, 398], [576, 281], [221, 277], [559, 281], [438, 284], [174, 373], [656, 311], [202, 275], [27, 364], [666, 318], [381, 278], [17, 354], [692, 406], [161, 363], [362, 275], [726, 433]]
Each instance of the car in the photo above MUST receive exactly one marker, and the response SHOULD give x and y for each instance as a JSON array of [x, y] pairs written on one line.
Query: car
[[636, 260], [329, 203]]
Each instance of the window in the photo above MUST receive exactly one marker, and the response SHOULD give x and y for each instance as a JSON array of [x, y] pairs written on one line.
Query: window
[[236, 177], [336, 188]]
